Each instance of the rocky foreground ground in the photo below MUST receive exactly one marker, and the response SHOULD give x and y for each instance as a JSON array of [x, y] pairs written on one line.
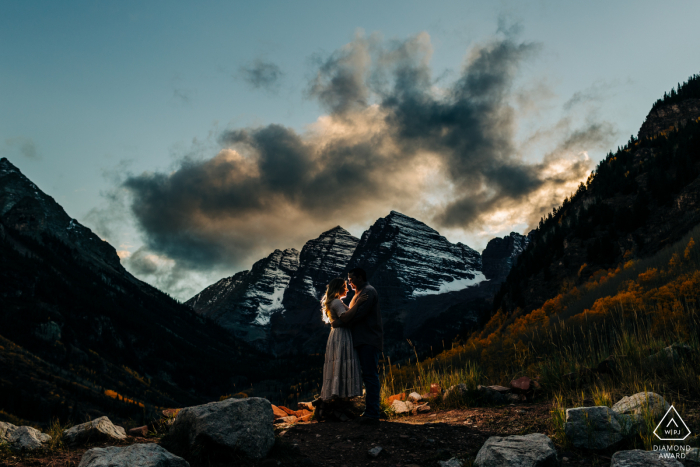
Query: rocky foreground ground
[[420, 440]]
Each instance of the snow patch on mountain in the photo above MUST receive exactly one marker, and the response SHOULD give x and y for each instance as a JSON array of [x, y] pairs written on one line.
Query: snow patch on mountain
[[452, 286]]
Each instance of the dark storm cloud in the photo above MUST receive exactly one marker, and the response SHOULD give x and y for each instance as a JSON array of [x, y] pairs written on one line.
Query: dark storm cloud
[[262, 75], [391, 139]]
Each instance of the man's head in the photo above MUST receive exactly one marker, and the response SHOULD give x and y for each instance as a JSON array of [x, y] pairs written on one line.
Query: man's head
[[357, 278]]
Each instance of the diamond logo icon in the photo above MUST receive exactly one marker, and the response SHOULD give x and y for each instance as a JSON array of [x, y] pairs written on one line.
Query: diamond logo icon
[[672, 427]]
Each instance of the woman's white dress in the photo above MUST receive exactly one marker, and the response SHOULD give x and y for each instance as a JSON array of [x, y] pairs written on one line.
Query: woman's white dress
[[341, 370]]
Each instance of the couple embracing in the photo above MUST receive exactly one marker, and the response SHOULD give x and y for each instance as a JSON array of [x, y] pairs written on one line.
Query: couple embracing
[[354, 344]]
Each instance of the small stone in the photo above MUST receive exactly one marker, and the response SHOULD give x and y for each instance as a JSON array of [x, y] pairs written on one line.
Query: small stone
[[639, 458], [141, 455], [414, 397], [423, 408], [139, 432], [375, 451], [96, 430], [454, 462], [399, 407], [533, 450], [22, 438], [492, 395], [522, 385], [639, 403]]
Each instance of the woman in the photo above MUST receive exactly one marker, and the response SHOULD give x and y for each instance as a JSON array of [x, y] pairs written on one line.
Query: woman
[[341, 369]]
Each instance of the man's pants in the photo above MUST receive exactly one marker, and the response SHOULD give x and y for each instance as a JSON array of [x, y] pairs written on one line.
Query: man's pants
[[369, 363]]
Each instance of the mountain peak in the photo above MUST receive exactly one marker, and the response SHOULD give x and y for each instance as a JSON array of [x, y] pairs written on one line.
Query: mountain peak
[[337, 230], [400, 220]]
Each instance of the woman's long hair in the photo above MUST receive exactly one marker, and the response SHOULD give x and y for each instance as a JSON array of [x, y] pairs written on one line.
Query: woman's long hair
[[333, 291]]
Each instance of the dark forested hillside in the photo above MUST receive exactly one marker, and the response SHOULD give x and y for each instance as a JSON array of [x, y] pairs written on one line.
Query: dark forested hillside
[[80, 337], [639, 199]]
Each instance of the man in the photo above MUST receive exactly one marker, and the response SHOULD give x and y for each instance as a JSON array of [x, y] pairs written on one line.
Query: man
[[368, 339]]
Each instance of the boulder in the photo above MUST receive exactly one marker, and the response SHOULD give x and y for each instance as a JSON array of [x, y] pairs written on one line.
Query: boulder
[[425, 408], [22, 438], [415, 397], [136, 455], [139, 432], [454, 462], [533, 450], [435, 389], [639, 458], [523, 385], [670, 355], [100, 429], [400, 407], [692, 458], [640, 403], [242, 425], [598, 427], [491, 394]]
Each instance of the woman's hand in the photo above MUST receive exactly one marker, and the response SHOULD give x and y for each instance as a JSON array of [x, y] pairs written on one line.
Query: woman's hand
[[362, 298]]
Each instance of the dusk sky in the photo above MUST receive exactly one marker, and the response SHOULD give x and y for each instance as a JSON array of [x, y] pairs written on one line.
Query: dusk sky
[[198, 137]]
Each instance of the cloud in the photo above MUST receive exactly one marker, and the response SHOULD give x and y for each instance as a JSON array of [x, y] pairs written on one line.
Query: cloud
[[23, 146], [262, 75], [392, 139]]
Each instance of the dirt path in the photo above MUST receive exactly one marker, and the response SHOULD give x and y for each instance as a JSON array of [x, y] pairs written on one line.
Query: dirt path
[[412, 441], [419, 440]]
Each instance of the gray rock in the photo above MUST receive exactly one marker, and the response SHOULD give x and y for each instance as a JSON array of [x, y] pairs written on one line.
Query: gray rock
[[136, 455], [533, 450], [640, 403], [22, 437], [515, 398], [243, 425], [375, 451], [414, 397], [400, 407], [670, 355], [492, 394], [454, 462], [96, 430], [692, 458], [598, 427], [639, 458]]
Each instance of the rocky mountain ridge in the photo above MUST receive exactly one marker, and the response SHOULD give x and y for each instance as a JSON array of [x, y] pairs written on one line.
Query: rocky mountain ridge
[[419, 272], [28, 210], [81, 337]]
